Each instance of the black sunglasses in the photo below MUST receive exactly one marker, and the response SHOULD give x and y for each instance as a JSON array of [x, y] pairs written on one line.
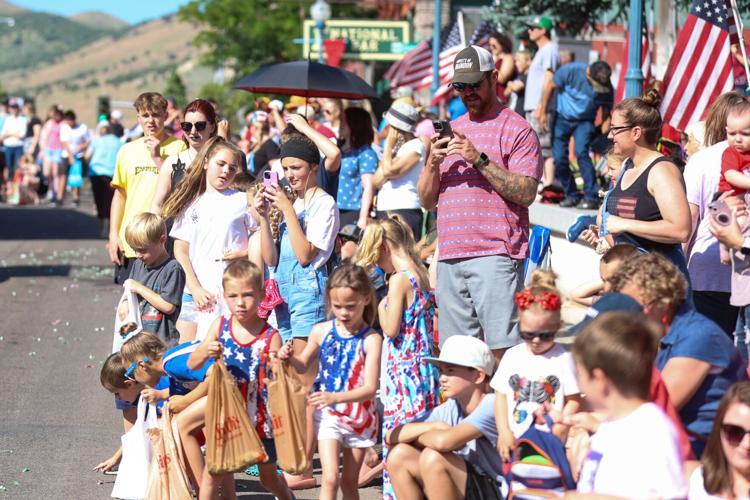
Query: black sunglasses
[[462, 87], [199, 126], [543, 336], [734, 434], [616, 130]]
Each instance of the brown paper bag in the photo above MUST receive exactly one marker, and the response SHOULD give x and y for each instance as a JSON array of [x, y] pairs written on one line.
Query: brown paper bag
[[167, 478], [232, 444], [287, 400]]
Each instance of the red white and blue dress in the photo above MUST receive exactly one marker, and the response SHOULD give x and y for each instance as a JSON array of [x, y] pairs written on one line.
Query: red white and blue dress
[[247, 364], [342, 369], [411, 388]]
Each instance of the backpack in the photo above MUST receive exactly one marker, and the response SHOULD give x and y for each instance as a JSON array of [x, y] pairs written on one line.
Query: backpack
[[539, 467]]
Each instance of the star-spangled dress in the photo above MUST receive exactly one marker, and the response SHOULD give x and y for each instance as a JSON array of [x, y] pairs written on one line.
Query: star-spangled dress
[[342, 369], [411, 387], [247, 365]]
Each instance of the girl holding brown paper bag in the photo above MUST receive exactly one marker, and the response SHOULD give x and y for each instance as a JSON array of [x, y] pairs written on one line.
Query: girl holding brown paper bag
[[246, 343], [348, 352]]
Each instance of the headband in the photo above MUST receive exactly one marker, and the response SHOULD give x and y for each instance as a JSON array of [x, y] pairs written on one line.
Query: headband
[[302, 150], [548, 300]]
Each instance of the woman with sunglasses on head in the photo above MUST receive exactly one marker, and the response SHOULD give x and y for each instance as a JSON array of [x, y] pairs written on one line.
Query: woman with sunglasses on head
[[537, 372], [501, 47], [648, 206], [724, 471], [198, 125]]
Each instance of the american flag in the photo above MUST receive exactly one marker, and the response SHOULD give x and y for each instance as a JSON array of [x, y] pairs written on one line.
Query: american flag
[[415, 68], [701, 65], [645, 62]]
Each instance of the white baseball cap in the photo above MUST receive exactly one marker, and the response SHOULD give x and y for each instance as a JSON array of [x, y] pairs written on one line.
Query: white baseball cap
[[470, 352]]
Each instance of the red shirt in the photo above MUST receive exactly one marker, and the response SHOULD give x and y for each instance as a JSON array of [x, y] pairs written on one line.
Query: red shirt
[[658, 395], [732, 159], [473, 219]]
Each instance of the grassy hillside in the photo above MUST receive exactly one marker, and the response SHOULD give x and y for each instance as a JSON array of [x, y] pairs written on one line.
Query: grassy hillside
[[100, 20], [40, 38], [121, 67]]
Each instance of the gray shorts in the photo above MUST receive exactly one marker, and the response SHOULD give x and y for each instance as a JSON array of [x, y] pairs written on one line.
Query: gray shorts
[[476, 297], [545, 138]]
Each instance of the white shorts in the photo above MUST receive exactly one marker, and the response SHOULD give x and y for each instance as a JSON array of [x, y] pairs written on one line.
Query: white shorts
[[327, 427]]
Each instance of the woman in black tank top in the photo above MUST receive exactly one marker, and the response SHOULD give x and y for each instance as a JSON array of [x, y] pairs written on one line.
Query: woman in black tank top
[[648, 206]]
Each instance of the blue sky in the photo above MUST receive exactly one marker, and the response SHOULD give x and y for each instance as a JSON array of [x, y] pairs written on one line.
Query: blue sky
[[132, 11]]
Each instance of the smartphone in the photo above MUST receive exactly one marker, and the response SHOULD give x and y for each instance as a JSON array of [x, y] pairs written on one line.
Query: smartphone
[[284, 183], [270, 179], [721, 212], [443, 127]]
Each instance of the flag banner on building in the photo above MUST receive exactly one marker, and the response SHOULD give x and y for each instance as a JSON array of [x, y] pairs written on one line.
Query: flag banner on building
[[701, 65], [645, 61]]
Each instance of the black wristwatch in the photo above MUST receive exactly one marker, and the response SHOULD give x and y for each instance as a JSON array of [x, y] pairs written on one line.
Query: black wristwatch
[[482, 161], [745, 248]]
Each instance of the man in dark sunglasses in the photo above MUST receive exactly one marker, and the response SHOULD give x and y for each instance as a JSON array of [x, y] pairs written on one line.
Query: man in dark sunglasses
[[483, 169]]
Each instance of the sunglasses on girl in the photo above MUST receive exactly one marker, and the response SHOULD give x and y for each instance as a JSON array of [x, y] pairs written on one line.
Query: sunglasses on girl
[[734, 434], [543, 336], [199, 126]]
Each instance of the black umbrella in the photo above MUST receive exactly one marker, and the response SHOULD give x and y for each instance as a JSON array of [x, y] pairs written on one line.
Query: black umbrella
[[306, 78]]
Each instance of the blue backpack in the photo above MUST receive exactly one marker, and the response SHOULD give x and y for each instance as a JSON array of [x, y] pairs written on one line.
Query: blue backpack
[[539, 467]]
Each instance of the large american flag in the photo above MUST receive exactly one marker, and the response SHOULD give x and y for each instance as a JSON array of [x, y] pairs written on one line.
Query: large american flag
[[701, 65], [645, 61], [415, 68]]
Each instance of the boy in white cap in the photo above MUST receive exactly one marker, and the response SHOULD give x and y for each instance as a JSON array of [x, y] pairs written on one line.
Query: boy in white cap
[[452, 454]]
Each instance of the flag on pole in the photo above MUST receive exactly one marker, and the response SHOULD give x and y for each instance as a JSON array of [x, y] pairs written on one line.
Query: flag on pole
[[645, 61], [415, 68], [701, 65]]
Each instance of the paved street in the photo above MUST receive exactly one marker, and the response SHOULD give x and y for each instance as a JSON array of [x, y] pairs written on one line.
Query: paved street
[[56, 304]]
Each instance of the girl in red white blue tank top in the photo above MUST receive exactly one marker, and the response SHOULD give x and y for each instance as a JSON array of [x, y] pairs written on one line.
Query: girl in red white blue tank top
[[347, 351]]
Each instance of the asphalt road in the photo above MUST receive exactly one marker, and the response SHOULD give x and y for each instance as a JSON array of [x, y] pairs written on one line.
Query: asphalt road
[[57, 307]]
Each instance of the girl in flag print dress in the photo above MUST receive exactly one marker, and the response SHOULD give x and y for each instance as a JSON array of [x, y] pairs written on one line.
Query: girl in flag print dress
[[347, 350], [410, 388]]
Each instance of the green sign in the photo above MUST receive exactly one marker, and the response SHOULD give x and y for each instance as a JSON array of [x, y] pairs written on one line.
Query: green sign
[[365, 40]]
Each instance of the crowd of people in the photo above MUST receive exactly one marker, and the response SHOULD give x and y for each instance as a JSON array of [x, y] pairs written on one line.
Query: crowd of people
[[384, 262]]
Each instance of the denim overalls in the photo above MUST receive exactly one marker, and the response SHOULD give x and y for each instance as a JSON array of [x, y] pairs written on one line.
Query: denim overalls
[[301, 287]]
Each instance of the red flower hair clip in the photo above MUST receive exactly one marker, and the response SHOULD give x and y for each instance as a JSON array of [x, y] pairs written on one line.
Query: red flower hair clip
[[549, 301]]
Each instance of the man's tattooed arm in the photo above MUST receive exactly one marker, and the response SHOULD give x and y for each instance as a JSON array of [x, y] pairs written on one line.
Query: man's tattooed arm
[[516, 188]]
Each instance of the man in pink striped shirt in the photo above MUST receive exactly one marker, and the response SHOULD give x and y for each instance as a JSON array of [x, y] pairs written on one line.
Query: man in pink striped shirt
[[482, 181]]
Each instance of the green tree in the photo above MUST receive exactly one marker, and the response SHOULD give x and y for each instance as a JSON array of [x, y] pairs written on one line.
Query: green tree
[[176, 88], [245, 34]]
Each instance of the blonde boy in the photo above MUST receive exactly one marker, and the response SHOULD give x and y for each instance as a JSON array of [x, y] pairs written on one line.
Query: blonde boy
[[136, 176], [157, 278]]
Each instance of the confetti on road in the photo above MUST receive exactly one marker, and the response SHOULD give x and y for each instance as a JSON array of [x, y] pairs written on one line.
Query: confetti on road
[[77, 339], [55, 322], [26, 469], [7, 451], [32, 353], [92, 357], [3, 488], [62, 340]]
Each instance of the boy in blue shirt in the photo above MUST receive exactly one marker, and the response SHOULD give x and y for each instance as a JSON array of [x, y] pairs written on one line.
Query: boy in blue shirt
[[452, 454]]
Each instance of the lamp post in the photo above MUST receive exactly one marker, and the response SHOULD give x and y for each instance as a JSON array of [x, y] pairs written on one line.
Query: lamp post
[[634, 76], [320, 12], [436, 47]]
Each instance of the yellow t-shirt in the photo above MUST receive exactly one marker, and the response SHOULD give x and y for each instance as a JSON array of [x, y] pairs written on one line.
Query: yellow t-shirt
[[138, 175]]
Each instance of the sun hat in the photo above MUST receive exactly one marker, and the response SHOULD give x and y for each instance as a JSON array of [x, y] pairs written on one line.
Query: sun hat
[[471, 64], [402, 116], [470, 352]]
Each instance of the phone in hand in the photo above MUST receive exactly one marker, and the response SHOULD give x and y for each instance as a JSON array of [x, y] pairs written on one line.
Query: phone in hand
[[270, 179], [720, 212], [443, 127]]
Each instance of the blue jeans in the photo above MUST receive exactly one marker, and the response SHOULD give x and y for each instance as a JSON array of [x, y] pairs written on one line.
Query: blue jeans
[[742, 331], [12, 155], [582, 132]]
